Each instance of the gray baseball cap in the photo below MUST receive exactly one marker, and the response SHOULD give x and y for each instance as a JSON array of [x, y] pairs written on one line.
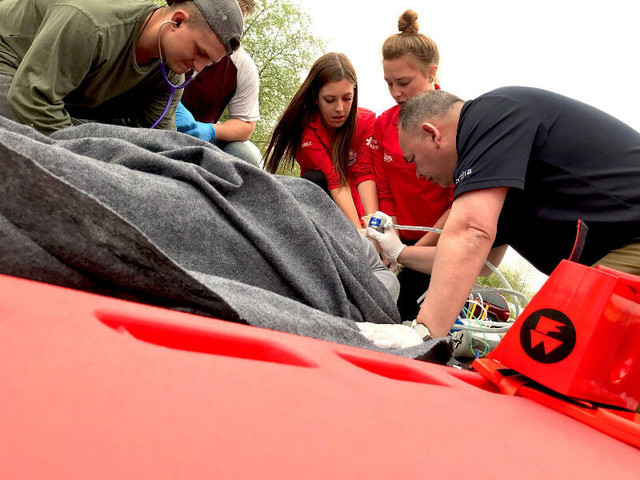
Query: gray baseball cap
[[225, 19]]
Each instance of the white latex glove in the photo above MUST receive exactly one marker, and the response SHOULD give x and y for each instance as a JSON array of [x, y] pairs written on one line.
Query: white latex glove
[[389, 242], [386, 335], [385, 220]]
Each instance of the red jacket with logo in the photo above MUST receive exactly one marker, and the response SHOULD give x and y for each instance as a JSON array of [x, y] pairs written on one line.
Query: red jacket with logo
[[314, 153], [413, 200]]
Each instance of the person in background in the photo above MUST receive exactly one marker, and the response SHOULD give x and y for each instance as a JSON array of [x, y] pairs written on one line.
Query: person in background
[[100, 61], [329, 136], [410, 64], [232, 83], [528, 166]]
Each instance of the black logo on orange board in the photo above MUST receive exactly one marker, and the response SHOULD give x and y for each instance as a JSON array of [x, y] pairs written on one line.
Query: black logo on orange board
[[548, 336]]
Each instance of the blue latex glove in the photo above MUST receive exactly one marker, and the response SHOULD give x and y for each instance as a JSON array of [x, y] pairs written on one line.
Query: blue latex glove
[[185, 123], [184, 118], [204, 131]]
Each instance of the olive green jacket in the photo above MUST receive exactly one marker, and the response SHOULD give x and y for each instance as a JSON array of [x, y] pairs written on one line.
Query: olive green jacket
[[77, 58]]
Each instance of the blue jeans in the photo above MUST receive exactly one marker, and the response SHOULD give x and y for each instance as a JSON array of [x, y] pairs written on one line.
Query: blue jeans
[[246, 151]]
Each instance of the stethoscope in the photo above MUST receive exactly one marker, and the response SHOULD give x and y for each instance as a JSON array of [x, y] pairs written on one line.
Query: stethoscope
[[172, 87]]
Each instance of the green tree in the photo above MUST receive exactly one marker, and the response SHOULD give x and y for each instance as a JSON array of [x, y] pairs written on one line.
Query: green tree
[[516, 278], [278, 37]]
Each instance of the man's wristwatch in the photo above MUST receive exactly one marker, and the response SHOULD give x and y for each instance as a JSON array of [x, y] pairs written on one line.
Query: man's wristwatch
[[421, 329]]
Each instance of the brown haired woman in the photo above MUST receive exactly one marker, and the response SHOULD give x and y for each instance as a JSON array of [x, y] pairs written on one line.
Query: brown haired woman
[[410, 64], [325, 132]]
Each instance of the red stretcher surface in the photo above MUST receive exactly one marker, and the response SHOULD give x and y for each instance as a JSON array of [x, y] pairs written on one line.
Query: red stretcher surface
[[93, 387]]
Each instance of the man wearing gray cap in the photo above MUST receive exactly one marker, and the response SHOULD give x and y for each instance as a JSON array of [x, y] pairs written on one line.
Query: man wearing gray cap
[[86, 59]]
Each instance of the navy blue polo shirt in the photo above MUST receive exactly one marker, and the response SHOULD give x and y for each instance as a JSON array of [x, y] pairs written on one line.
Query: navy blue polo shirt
[[562, 160]]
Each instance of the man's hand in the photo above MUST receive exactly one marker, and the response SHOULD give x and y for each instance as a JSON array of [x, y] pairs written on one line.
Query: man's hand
[[387, 335], [389, 242], [203, 131], [184, 118], [385, 220], [186, 123]]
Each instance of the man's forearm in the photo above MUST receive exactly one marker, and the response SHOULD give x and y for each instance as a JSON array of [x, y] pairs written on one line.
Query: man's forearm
[[234, 130], [418, 258], [431, 238], [465, 243], [460, 258], [38, 111]]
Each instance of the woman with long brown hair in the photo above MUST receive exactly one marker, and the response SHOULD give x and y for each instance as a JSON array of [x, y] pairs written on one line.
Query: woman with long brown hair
[[324, 131]]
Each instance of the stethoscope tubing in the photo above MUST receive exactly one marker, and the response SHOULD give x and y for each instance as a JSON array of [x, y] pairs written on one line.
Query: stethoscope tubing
[[163, 70]]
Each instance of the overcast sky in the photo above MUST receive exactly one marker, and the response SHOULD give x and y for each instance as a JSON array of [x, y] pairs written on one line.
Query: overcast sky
[[587, 50], [584, 49]]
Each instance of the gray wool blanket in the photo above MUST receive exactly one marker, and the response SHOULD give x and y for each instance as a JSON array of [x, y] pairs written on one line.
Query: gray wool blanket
[[165, 219]]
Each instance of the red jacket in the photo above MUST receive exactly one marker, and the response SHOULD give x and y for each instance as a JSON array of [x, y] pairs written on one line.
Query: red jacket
[[314, 153], [415, 201]]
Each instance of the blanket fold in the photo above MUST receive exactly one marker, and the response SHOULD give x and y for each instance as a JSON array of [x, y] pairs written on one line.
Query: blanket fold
[[166, 219]]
